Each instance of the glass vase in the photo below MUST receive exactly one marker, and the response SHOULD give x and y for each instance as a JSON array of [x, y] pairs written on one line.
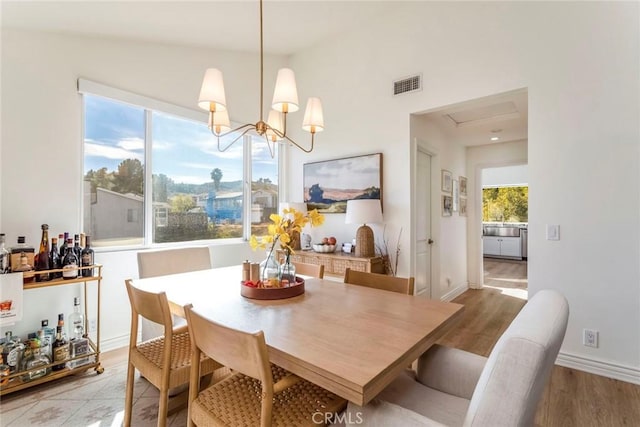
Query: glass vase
[[288, 271], [270, 270]]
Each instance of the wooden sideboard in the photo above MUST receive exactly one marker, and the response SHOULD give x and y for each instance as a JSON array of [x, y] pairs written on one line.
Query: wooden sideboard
[[337, 262]]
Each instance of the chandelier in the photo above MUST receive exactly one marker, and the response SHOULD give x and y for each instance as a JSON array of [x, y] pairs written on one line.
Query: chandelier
[[285, 100]]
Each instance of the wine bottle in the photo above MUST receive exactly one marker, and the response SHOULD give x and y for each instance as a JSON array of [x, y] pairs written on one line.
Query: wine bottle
[[60, 346], [63, 244], [43, 255], [76, 246], [54, 259], [70, 262], [87, 258], [4, 256]]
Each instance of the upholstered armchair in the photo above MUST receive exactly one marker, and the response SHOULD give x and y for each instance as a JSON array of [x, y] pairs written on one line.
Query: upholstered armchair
[[456, 388]]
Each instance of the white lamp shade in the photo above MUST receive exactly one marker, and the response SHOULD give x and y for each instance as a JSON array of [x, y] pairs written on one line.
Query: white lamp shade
[[275, 121], [285, 95], [221, 123], [363, 211], [313, 118], [212, 97]]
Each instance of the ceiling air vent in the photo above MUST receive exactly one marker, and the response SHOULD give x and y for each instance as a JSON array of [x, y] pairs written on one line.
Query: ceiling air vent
[[408, 84]]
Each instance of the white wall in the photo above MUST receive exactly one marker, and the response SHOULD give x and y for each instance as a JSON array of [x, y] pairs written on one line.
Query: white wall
[[580, 64], [505, 176], [42, 142]]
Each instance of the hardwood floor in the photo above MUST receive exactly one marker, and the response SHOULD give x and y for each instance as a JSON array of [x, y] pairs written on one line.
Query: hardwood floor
[[572, 397]]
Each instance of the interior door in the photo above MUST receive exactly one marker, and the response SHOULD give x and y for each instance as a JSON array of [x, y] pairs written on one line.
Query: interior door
[[423, 224]]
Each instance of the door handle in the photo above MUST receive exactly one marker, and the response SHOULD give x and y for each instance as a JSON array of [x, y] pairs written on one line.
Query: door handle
[[430, 241]]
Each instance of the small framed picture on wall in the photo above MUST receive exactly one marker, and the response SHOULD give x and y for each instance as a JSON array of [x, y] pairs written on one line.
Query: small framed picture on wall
[[455, 195], [446, 181], [463, 186], [447, 201], [463, 207]]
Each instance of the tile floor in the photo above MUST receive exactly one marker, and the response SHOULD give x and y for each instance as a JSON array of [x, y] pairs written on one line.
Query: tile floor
[[85, 400]]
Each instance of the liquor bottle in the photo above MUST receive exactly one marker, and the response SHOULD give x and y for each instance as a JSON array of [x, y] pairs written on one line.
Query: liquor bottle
[[70, 262], [86, 258], [35, 361], [4, 256], [16, 253], [25, 268], [49, 335], [60, 350], [45, 343], [76, 321], [63, 244], [12, 351], [4, 372], [76, 246], [43, 255], [55, 262]]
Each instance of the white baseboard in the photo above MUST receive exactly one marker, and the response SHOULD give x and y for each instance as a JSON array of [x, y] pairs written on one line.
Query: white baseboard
[[458, 290], [114, 343], [599, 367]]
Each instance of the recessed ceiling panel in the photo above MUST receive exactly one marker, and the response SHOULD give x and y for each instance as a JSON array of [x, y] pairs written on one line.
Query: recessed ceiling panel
[[483, 113]]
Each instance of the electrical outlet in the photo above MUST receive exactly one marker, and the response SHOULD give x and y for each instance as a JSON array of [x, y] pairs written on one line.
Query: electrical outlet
[[93, 325], [590, 338]]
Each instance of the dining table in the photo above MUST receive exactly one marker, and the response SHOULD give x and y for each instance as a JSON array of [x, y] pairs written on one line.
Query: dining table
[[351, 340]]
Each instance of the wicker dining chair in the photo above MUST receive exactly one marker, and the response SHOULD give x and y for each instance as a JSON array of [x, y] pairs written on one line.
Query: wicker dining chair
[[312, 270], [164, 366], [161, 262], [258, 393], [380, 281]]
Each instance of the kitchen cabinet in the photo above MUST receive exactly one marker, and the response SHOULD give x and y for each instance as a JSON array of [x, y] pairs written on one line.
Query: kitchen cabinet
[[503, 247]]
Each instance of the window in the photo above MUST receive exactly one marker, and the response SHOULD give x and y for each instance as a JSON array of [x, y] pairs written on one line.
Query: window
[[153, 174]]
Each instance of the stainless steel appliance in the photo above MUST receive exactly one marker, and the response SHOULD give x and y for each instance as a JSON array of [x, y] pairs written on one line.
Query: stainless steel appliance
[[523, 241]]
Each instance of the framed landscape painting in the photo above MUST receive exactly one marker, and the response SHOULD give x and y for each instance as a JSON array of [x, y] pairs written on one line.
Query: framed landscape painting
[[328, 185]]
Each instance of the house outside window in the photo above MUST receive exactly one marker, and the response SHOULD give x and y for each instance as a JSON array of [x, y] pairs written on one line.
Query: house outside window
[[153, 174]]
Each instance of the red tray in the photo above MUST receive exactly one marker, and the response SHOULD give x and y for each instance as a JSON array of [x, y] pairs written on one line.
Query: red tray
[[273, 293]]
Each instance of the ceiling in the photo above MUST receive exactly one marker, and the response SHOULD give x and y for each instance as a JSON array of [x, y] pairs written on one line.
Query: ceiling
[[289, 27], [471, 123]]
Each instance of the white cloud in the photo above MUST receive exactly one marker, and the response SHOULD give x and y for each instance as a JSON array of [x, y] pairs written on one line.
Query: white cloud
[[109, 152], [131, 144]]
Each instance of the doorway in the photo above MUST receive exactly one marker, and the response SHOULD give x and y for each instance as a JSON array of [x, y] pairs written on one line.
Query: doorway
[[423, 239], [505, 220]]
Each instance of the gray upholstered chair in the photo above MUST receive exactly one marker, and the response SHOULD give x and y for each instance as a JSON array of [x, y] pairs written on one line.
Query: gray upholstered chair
[[170, 261], [456, 388]]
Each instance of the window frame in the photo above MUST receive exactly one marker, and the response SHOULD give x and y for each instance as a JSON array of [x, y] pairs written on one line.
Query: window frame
[[150, 105]]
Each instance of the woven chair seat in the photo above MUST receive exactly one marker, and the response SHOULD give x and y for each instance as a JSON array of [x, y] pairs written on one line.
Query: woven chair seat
[[148, 358], [236, 401]]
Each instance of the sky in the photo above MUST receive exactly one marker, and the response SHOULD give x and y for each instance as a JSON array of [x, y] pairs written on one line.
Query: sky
[[182, 149]]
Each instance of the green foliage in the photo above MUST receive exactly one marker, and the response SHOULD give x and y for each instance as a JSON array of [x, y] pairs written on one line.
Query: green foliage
[[161, 185], [505, 204], [129, 177], [182, 203], [216, 177]]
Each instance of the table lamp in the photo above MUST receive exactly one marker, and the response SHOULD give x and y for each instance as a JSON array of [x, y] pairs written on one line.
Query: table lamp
[[300, 207], [363, 211]]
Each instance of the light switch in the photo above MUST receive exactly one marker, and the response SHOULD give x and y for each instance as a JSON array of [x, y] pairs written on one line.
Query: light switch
[[553, 232]]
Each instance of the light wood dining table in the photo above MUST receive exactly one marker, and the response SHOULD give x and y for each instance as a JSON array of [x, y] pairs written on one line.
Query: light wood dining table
[[351, 340]]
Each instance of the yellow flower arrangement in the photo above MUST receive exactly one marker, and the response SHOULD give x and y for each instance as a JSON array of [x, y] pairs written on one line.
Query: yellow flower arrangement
[[283, 228]]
